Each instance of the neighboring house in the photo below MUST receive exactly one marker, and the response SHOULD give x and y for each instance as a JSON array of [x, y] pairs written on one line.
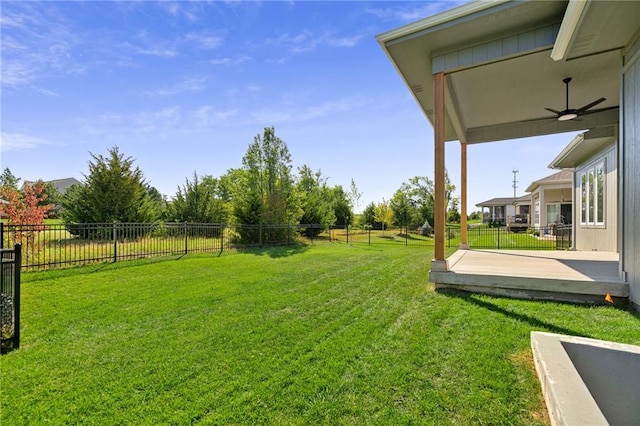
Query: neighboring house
[[61, 185], [551, 198], [500, 70], [591, 159], [503, 211]]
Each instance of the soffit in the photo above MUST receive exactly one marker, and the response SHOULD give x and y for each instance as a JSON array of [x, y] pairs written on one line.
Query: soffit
[[506, 98]]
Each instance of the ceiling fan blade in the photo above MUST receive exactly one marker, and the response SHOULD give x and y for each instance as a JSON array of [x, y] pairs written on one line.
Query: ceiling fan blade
[[593, 111], [591, 105], [553, 111]]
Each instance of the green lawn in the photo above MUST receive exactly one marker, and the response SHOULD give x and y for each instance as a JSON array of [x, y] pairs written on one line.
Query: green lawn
[[330, 334]]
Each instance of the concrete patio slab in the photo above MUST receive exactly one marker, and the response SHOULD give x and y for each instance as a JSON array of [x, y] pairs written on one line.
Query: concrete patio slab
[[570, 276]]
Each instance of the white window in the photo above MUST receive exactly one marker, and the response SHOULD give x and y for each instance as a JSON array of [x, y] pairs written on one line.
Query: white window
[[536, 213], [592, 196], [553, 213]]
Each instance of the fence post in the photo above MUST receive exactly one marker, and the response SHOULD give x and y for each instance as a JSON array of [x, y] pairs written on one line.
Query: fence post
[[186, 239], [17, 264], [115, 242], [222, 228], [498, 237], [1, 235], [347, 228], [369, 232], [406, 236]]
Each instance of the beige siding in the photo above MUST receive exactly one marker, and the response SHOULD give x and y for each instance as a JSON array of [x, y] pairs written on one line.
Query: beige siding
[[630, 161], [602, 237]]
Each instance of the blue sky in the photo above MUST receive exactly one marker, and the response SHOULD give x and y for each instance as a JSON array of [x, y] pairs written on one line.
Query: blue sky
[[186, 86]]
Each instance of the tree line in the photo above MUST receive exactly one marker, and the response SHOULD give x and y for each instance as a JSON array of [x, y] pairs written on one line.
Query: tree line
[[264, 190]]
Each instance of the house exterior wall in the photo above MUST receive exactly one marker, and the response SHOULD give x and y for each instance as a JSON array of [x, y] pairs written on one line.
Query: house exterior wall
[[598, 237], [545, 195], [630, 172]]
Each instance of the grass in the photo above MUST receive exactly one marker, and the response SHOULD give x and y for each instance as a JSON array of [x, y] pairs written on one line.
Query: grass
[[330, 334]]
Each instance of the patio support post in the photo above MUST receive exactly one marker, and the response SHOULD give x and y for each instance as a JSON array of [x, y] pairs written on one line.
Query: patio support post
[[439, 263], [463, 196]]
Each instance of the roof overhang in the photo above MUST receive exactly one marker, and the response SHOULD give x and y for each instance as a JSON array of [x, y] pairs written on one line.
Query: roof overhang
[[583, 147], [500, 73]]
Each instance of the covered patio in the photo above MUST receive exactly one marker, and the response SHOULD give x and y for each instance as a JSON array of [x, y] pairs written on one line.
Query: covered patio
[[503, 70]]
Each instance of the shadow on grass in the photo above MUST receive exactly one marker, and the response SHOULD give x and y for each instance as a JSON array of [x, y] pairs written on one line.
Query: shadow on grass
[[531, 320], [275, 251]]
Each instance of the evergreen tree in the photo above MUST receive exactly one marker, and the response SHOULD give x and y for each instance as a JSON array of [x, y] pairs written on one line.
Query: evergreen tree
[[8, 180], [341, 206], [402, 210], [368, 217], [317, 201], [113, 191]]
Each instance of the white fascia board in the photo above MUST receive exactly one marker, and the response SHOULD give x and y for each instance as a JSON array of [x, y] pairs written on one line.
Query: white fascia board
[[439, 19], [566, 151], [570, 23]]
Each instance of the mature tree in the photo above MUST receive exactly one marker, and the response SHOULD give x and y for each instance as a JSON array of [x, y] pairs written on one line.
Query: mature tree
[[8, 180], [475, 215], [421, 193], [158, 200], [28, 207], [403, 212], [341, 206], [114, 191], [453, 214], [368, 217], [317, 202], [197, 202], [384, 214], [265, 192]]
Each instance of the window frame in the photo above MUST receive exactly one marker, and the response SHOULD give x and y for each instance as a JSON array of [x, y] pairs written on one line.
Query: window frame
[[593, 195]]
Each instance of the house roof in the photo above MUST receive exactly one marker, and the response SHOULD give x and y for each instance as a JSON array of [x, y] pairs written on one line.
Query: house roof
[[583, 147], [487, 51], [504, 201], [563, 177], [61, 185]]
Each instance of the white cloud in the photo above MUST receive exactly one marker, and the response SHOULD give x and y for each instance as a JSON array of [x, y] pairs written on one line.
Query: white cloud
[[413, 11], [35, 43], [207, 116], [296, 113], [307, 41], [20, 141], [186, 85], [230, 61], [205, 41]]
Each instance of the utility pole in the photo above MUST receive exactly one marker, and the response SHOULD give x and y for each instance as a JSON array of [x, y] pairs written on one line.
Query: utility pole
[[515, 183]]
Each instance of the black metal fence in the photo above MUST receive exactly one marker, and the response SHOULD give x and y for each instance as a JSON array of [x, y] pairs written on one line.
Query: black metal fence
[[10, 298], [59, 245], [554, 237]]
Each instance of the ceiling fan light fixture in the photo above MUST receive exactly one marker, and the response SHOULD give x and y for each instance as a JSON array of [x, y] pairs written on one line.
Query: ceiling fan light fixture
[[568, 116]]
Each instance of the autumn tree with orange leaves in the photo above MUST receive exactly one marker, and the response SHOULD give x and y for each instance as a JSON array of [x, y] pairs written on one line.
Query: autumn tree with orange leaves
[[25, 207]]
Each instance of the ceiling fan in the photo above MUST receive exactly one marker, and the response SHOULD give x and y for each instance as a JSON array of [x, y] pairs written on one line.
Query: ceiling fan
[[569, 113]]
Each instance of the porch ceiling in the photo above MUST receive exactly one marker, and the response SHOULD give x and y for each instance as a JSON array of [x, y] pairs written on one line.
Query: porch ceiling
[[503, 95]]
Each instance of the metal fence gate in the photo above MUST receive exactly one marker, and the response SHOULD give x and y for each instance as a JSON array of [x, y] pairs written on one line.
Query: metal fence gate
[[10, 297]]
